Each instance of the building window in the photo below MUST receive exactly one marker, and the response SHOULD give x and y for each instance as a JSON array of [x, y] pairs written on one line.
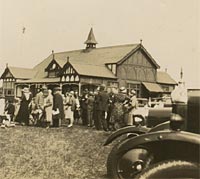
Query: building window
[[53, 66], [114, 68], [8, 84], [166, 88], [9, 92], [52, 74]]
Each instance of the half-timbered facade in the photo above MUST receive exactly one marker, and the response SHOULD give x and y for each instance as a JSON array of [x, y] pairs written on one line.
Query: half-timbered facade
[[124, 65], [11, 76]]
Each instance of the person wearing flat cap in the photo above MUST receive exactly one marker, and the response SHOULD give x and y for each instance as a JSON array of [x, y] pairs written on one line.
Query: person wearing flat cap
[[58, 107], [24, 110]]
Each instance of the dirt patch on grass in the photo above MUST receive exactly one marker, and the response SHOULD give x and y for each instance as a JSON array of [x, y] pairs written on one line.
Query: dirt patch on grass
[[55, 153]]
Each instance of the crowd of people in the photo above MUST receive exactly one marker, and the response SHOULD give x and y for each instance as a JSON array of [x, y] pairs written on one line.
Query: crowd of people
[[98, 109]]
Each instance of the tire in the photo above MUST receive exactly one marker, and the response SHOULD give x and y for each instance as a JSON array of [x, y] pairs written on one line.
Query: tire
[[110, 161], [115, 162], [171, 169]]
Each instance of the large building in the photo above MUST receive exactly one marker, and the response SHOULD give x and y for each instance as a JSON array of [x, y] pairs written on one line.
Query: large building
[[130, 65]]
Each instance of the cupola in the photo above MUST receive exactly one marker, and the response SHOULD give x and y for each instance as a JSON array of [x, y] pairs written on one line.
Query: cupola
[[91, 41]]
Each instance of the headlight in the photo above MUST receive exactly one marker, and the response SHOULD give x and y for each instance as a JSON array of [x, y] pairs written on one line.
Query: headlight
[[176, 121]]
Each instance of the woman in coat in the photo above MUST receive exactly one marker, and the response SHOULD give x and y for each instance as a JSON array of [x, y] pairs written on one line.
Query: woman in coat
[[24, 110], [48, 105], [118, 113]]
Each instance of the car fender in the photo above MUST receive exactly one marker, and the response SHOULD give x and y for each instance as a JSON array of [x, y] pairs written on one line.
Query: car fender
[[160, 127], [125, 130], [159, 136]]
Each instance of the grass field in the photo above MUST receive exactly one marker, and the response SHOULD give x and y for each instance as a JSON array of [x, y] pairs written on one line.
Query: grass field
[[55, 153]]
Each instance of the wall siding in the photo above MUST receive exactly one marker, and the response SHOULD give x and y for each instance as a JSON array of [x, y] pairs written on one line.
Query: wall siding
[[137, 68]]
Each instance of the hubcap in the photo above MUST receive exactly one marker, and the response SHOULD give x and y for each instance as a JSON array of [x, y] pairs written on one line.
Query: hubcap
[[133, 162]]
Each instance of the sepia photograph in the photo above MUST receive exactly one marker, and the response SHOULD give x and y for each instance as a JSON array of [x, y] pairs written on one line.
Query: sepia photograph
[[96, 89]]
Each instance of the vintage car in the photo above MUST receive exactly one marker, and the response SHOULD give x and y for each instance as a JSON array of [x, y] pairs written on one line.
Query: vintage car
[[151, 116], [169, 150]]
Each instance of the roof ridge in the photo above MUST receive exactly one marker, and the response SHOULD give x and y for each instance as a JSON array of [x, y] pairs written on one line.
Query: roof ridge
[[99, 48], [20, 68], [87, 64]]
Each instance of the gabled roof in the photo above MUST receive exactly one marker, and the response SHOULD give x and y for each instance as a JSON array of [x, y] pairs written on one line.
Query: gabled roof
[[165, 78], [50, 65], [140, 46], [96, 57], [20, 73]]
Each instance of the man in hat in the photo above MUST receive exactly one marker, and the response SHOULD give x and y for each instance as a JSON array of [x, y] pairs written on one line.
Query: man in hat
[[39, 103], [58, 107], [71, 108], [90, 108], [102, 107], [84, 107], [39, 98]]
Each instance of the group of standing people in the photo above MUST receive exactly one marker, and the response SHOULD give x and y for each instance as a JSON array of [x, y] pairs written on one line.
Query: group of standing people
[[46, 109], [98, 109], [108, 111]]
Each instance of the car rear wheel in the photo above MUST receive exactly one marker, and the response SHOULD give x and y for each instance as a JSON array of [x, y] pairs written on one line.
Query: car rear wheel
[[171, 169]]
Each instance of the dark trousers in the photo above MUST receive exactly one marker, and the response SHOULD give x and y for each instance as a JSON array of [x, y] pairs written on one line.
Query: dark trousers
[[84, 117], [109, 125], [104, 121], [101, 120], [90, 117], [56, 121], [98, 120]]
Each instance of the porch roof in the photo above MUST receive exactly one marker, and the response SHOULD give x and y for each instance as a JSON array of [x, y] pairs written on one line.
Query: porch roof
[[152, 87], [40, 80]]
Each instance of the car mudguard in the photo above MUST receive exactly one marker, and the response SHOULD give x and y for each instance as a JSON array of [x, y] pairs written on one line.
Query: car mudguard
[[160, 127], [125, 130], [159, 136]]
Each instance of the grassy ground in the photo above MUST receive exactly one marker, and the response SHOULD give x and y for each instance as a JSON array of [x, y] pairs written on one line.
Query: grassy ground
[[55, 153]]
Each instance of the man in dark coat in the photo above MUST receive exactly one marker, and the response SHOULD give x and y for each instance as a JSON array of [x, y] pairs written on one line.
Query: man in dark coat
[[58, 107], [84, 107], [102, 107]]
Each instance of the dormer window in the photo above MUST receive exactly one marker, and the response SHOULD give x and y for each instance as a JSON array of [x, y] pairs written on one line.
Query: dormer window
[[53, 66], [69, 70], [53, 69], [112, 67]]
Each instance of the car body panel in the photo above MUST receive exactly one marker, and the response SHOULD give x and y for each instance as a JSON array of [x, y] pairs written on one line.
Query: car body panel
[[159, 136], [125, 130]]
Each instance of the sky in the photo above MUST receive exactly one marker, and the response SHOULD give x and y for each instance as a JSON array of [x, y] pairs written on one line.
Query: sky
[[169, 30]]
